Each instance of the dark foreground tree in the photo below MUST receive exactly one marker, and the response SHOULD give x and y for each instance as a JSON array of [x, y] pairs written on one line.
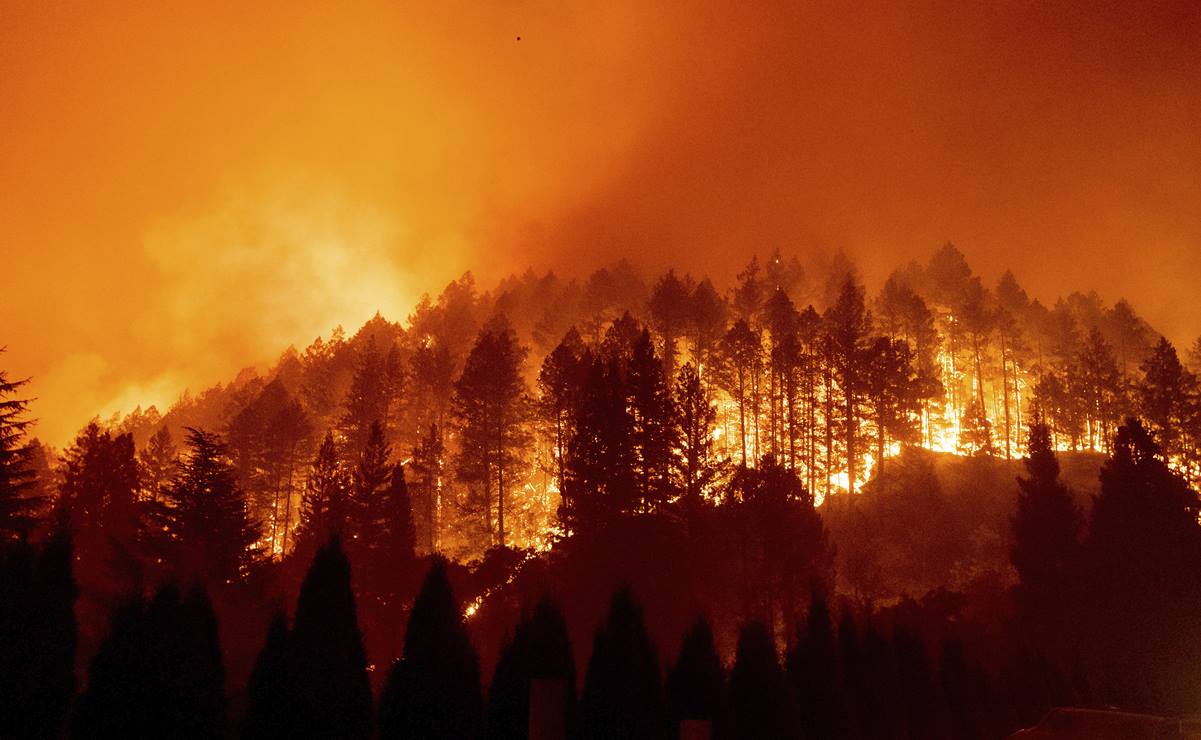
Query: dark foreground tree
[[1046, 532], [158, 674], [696, 684], [16, 473], [759, 697], [813, 670], [623, 695], [37, 637], [270, 694], [539, 650], [331, 690], [433, 691]]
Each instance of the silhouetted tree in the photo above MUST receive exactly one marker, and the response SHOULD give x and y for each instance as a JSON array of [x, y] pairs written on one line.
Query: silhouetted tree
[[1046, 532], [270, 694], [158, 674], [601, 481], [847, 324], [894, 394], [331, 691], [201, 525], [428, 459], [1143, 575], [158, 462], [490, 406], [696, 466], [653, 428], [668, 309], [696, 684], [759, 706], [623, 694], [706, 325], [813, 670], [560, 383], [37, 636], [433, 691], [325, 504], [742, 351], [1163, 396], [975, 432], [16, 474], [378, 380], [539, 649]]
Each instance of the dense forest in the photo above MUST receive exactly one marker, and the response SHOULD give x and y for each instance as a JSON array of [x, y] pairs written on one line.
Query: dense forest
[[932, 511]]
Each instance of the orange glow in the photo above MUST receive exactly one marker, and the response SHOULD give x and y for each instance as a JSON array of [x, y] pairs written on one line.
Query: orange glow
[[187, 188]]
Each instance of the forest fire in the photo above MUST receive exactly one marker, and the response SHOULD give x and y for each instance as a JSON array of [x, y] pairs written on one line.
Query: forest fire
[[760, 371]]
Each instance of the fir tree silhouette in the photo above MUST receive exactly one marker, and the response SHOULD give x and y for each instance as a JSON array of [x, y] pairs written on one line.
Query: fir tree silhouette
[[270, 692], [622, 697], [433, 691], [759, 698], [696, 684], [332, 694]]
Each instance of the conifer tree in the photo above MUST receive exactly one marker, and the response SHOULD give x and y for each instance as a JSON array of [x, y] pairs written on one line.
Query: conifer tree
[[813, 671], [668, 309], [653, 424], [157, 462], [16, 474], [325, 504], [847, 323], [696, 684], [158, 674], [428, 458], [1046, 532], [623, 694], [759, 706], [491, 411], [696, 466], [202, 524], [560, 383], [433, 691], [269, 693], [332, 693]]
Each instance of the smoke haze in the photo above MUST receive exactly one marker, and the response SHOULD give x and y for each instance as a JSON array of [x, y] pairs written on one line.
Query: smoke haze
[[187, 190]]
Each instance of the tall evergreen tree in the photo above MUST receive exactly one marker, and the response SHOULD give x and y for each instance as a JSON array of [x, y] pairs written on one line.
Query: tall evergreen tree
[[668, 309], [696, 466], [847, 324], [813, 671], [653, 424], [202, 525], [560, 383], [491, 410], [759, 697], [158, 674], [428, 458], [696, 684], [16, 474], [37, 636], [623, 693], [269, 692], [433, 691], [158, 461], [1164, 394], [325, 504], [331, 690], [1046, 535]]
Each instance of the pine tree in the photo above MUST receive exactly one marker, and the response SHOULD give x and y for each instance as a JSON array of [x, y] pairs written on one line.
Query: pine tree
[[325, 504], [847, 324], [696, 466], [368, 510], [158, 674], [269, 693], [332, 693], [1100, 384], [696, 684], [668, 309], [1163, 396], [490, 409], [623, 697], [813, 671], [538, 650], [428, 458], [894, 394], [1046, 532], [560, 382], [1142, 565], [370, 397], [742, 351], [975, 432], [157, 462], [37, 636], [16, 475], [707, 314], [202, 524], [433, 691], [653, 424], [759, 706]]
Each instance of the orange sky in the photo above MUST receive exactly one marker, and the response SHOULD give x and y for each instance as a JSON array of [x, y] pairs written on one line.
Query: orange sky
[[187, 188]]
